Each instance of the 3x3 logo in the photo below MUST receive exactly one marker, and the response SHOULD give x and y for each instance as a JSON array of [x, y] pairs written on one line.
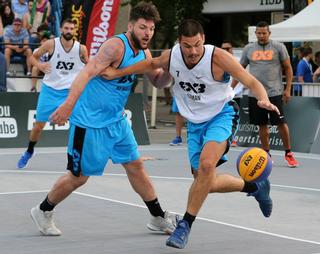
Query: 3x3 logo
[[195, 87]]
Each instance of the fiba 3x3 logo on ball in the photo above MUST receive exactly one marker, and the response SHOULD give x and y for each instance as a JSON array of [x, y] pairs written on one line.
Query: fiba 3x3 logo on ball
[[254, 164]]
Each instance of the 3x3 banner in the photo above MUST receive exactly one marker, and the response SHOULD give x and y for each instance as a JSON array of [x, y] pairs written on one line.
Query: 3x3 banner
[[95, 19]]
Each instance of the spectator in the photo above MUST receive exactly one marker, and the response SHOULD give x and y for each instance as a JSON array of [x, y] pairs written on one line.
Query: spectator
[[14, 35], [304, 70], [298, 54], [7, 17], [3, 78], [317, 59], [316, 76], [19, 7], [35, 71], [267, 59]]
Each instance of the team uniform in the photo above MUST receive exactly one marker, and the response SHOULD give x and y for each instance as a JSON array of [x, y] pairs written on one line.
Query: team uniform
[[205, 102], [98, 120], [55, 85], [265, 65]]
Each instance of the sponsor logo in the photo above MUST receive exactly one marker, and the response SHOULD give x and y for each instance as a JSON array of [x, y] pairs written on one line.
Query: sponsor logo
[[8, 125], [48, 126], [258, 166], [77, 16]]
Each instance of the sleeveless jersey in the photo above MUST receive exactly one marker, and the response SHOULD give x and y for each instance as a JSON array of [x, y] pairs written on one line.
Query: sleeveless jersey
[[64, 66], [102, 101], [198, 96]]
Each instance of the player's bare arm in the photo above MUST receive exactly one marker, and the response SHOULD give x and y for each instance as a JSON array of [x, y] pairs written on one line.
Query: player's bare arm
[[229, 64], [84, 54], [109, 54], [156, 69], [46, 47], [159, 76]]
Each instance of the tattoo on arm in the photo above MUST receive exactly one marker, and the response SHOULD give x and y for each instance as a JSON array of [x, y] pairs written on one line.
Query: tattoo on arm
[[108, 54]]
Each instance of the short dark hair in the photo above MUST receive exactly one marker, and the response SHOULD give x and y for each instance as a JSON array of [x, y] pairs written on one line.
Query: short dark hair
[[263, 24], [307, 51], [227, 41], [68, 20], [189, 28], [145, 10]]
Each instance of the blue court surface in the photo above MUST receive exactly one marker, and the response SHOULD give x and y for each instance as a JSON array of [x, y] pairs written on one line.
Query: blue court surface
[[106, 216]]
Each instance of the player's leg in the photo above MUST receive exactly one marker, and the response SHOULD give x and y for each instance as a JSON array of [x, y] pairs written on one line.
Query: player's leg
[[80, 161], [125, 152], [49, 100], [179, 121], [283, 128], [259, 116]]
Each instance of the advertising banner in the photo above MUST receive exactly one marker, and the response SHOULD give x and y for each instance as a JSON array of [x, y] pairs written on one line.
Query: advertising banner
[[95, 19], [303, 117], [17, 115]]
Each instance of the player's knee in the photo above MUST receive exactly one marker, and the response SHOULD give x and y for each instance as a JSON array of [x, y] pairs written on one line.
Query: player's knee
[[37, 127], [78, 181], [206, 166]]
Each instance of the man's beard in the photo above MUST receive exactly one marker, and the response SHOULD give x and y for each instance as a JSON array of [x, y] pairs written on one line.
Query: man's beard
[[135, 41], [67, 36]]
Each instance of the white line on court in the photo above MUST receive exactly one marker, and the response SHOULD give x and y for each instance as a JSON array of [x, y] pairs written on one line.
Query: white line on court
[[198, 218], [22, 192], [207, 220], [153, 177], [62, 150]]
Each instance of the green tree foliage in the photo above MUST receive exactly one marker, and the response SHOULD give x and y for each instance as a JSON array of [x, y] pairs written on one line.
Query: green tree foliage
[[172, 12]]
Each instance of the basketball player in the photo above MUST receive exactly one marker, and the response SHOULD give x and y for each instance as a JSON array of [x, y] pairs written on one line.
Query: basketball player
[[99, 128], [204, 98], [66, 59]]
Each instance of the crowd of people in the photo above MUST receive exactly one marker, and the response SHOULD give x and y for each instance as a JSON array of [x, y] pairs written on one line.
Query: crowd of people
[[23, 25]]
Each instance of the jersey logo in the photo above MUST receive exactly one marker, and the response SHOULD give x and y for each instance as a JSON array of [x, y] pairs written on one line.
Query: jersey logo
[[128, 78], [262, 55], [64, 65], [195, 87]]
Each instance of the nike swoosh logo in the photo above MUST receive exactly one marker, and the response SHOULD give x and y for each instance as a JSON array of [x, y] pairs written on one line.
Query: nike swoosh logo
[[199, 77]]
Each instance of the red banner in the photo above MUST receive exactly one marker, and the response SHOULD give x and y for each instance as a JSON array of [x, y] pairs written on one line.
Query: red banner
[[102, 24]]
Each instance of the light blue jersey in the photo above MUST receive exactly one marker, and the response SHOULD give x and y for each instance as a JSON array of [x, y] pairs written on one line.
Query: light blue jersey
[[102, 101], [99, 130]]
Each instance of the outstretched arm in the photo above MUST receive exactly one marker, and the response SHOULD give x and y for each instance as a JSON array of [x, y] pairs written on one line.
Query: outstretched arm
[[229, 64], [155, 68]]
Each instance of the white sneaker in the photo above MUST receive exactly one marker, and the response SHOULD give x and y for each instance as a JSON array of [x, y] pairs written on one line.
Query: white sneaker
[[166, 224], [44, 221]]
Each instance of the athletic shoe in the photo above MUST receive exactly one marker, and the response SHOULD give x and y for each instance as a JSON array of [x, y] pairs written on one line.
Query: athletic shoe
[[177, 141], [26, 156], [166, 224], [44, 221], [234, 143], [179, 237], [262, 195], [292, 163]]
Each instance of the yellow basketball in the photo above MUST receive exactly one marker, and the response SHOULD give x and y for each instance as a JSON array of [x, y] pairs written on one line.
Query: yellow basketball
[[254, 164]]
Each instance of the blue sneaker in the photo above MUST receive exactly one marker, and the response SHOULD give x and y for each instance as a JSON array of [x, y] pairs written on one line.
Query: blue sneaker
[[22, 163], [179, 237], [177, 141], [262, 195]]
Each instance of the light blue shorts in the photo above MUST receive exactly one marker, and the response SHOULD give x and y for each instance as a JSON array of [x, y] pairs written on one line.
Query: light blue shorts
[[174, 107], [220, 128], [49, 100], [89, 149]]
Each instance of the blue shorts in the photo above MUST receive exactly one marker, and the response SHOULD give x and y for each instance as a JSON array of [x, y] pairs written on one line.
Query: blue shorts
[[174, 107], [89, 149], [220, 128], [49, 100]]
